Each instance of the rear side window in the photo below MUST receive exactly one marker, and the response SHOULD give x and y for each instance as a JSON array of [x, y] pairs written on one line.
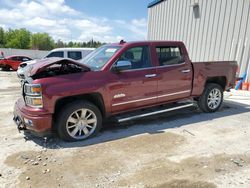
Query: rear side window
[[168, 55], [23, 59], [76, 55], [55, 54]]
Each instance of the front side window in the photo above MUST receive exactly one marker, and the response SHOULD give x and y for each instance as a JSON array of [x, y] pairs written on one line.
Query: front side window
[[76, 55], [138, 56], [55, 54], [100, 57], [168, 55]]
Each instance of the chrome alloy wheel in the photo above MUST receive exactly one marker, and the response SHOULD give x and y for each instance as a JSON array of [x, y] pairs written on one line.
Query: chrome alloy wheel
[[81, 123], [214, 98]]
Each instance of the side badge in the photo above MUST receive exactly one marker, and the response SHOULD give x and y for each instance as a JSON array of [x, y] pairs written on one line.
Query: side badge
[[120, 95]]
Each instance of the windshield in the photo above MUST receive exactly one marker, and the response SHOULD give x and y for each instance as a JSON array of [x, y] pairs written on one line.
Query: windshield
[[99, 57]]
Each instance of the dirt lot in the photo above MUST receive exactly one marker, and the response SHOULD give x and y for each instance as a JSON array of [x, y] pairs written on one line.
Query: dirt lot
[[186, 148]]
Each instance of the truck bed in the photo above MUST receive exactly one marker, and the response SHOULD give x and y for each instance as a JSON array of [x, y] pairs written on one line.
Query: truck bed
[[204, 70]]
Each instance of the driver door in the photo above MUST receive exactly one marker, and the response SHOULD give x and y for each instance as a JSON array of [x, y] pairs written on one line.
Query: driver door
[[135, 87]]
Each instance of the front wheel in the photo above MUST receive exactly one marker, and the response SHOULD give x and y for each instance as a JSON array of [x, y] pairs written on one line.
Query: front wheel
[[78, 121], [211, 98]]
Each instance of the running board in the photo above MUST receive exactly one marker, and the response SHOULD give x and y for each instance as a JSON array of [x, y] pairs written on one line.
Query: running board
[[154, 113]]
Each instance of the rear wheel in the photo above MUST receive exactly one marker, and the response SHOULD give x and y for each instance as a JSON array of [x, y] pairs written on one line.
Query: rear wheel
[[211, 98], [7, 68], [78, 121]]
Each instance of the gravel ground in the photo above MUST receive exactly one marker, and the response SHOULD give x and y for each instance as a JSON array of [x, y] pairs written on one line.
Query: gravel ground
[[185, 148]]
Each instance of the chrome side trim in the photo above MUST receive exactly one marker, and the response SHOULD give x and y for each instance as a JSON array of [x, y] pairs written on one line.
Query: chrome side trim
[[174, 65], [154, 113], [177, 93], [139, 69], [139, 100], [150, 98]]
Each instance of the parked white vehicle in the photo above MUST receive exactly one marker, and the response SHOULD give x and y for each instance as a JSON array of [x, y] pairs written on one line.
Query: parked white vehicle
[[72, 53]]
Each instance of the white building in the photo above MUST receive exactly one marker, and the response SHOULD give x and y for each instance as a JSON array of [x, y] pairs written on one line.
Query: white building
[[211, 29]]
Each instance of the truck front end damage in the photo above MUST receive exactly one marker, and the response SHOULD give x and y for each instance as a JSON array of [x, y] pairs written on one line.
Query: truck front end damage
[[29, 118], [31, 111]]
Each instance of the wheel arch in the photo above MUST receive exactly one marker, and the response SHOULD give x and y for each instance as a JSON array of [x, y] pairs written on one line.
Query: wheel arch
[[95, 98], [220, 80], [7, 66]]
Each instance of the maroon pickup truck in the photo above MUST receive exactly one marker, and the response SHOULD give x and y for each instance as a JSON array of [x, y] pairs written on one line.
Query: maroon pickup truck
[[117, 80]]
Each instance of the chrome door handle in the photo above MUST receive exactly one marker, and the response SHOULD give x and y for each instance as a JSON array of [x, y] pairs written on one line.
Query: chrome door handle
[[150, 75], [185, 71]]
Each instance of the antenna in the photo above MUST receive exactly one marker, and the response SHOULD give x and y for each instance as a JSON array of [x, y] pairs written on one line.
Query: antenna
[[122, 41]]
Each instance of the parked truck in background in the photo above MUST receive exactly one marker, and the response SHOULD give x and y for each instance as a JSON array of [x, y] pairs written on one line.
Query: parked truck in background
[[73, 97]]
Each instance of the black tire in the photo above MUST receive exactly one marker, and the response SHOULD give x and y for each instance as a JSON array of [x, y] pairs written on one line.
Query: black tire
[[72, 110], [204, 99], [6, 68]]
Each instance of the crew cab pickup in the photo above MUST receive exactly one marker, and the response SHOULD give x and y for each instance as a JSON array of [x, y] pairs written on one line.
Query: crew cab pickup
[[73, 97]]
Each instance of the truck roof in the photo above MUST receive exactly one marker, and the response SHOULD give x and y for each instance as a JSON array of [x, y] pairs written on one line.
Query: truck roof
[[71, 49], [124, 43]]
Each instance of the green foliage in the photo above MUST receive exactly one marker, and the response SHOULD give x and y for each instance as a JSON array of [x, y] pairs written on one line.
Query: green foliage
[[24, 39], [42, 41], [2, 37], [18, 38], [90, 44]]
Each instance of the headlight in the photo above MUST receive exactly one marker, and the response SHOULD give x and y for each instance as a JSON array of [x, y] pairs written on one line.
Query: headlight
[[34, 101], [33, 89], [33, 95]]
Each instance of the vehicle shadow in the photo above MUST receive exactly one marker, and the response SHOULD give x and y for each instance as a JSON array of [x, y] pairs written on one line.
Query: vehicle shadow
[[151, 125]]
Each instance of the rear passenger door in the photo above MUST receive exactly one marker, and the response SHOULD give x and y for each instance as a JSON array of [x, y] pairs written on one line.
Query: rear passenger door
[[174, 73], [76, 55]]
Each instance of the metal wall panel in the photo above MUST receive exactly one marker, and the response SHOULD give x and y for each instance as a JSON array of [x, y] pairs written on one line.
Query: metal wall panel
[[221, 32], [204, 32], [36, 54], [224, 48], [246, 52]]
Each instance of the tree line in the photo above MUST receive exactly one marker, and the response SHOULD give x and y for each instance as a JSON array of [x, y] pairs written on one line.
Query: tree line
[[24, 39]]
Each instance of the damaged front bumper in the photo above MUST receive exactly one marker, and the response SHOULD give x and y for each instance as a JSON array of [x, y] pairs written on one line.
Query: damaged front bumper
[[35, 120], [19, 123]]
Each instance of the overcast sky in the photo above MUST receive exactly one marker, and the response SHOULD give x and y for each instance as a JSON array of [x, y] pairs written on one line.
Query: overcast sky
[[78, 20]]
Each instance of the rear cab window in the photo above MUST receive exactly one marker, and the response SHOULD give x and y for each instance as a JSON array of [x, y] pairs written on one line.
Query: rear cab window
[[55, 54], [169, 55], [76, 55]]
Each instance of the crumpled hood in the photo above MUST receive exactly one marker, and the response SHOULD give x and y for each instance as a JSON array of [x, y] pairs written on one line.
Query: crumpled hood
[[26, 63], [42, 64]]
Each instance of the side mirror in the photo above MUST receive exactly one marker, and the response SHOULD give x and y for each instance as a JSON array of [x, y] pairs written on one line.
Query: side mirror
[[122, 65]]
